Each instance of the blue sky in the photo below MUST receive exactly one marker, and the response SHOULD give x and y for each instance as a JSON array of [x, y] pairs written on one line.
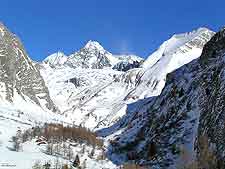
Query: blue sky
[[121, 26]]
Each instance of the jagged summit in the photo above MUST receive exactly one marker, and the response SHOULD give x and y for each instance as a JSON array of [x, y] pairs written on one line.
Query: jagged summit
[[94, 45]]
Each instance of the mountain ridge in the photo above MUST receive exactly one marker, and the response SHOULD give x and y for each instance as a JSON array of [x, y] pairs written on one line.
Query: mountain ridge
[[93, 55]]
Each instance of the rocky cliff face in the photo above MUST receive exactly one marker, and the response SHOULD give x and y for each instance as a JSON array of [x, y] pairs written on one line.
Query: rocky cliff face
[[191, 106], [212, 100], [18, 74]]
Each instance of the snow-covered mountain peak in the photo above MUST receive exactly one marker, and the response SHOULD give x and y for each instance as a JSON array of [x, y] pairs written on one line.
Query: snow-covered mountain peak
[[92, 55], [94, 45]]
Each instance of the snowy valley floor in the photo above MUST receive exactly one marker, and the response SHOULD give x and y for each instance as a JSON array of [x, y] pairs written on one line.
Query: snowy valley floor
[[13, 120]]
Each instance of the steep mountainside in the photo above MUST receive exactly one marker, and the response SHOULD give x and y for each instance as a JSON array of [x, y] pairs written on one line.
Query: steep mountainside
[[20, 78], [172, 54], [190, 107]]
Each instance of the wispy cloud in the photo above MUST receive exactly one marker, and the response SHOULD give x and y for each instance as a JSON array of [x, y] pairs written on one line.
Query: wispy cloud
[[125, 47]]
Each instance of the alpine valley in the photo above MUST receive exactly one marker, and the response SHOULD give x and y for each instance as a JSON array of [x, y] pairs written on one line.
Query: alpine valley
[[94, 109]]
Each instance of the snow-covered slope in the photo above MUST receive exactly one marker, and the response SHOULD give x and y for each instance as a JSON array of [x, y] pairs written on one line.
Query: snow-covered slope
[[172, 54]]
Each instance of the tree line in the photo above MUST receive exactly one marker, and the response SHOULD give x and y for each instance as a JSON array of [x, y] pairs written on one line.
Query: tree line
[[56, 133]]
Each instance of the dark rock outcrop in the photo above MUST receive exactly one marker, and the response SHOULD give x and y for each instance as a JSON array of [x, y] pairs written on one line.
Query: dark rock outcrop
[[125, 66]]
